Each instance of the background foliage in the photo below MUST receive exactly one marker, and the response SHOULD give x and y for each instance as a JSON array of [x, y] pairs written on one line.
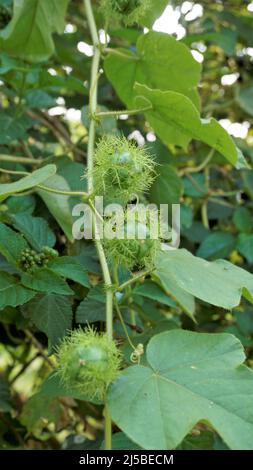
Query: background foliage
[[45, 60]]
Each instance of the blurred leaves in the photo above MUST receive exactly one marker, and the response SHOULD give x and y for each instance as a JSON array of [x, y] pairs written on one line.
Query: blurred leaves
[[29, 33]]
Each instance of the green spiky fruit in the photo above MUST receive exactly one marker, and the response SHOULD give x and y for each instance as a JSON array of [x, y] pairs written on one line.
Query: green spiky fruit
[[125, 11], [125, 6], [136, 249], [121, 169], [88, 363], [132, 253]]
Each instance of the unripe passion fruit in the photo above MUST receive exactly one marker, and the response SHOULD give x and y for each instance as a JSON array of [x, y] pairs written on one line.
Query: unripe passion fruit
[[88, 363], [123, 157], [126, 11], [136, 230], [125, 6], [136, 249], [121, 169]]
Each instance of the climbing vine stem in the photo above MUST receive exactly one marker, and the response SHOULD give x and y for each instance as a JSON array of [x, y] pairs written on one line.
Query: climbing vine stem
[[90, 153]]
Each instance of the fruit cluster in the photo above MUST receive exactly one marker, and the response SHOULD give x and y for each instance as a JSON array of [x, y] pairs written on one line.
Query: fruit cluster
[[30, 259], [88, 362]]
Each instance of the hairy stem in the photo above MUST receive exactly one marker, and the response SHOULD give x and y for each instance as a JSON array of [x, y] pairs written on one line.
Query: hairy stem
[[134, 279], [46, 188], [63, 193], [129, 112], [123, 325], [25, 160], [200, 167], [131, 57], [108, 428], [90, 152]]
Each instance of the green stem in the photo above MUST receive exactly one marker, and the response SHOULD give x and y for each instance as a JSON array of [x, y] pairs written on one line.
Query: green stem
[[123, 325], [129, 112], [132, 317], [218, 106], [95, 210], [134, 279], [25, 160], [93, 107], [63, 193], [200, 167], [14, 172], [224, 194], [93, 91], [204, 215], [196, 185], [108, 428], [221, 202], [131, 57], [90, 152], [46, 188]]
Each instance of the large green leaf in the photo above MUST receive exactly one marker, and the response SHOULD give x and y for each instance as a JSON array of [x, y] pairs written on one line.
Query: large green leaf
[[241, 22], [160, 61], [5, 396], [39, 99], [167, 186], [216, 245], [105, 125], [191, 377], [245, 246], [92, 308], [195, 187], [248, 181], [69, 267], [218, 283], [52, 314], [176, 110], [13, 127], [45, 280], [153, 291], [121, 442], [22, 203], [156, 7], [28, 182], [37, 411], [54, 387], [226, 39], [242, 218], [12, 293], [35, 230], [58, 204], [29, 34], [72, 172], [202, 441], [183, 298], [11, 244], [244, 99]]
